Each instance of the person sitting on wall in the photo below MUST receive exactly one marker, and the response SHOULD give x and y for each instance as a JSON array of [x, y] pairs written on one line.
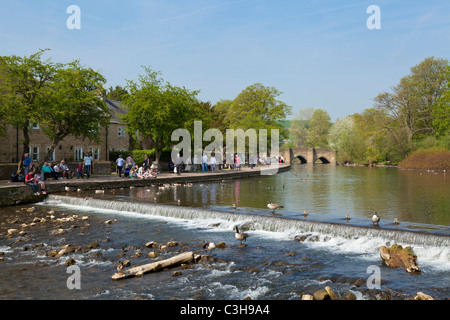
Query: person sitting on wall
[[32, 181], [58, 172], [46, 172]]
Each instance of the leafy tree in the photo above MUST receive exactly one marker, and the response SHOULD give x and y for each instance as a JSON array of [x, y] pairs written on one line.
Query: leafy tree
[[257, 107], [441, 112], [156, 108], [318, 129], [345, 137], [117, 93], [72, 105], [24, 82], [300, 126], [413, 100]]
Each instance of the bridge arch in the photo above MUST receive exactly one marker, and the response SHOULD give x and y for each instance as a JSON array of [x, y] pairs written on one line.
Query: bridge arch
[[309, 155], [302, 159]]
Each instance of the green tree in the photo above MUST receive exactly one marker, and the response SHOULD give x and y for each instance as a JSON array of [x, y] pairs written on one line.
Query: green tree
[[24, 82], [72, 105], [300, 125], [117, 93], [257, 107], [345, 137], [413, 100], [156, 108], [441, 112], [319, 125]]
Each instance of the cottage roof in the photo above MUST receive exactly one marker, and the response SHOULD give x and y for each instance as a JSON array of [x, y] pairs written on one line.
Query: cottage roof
[[116, 110]]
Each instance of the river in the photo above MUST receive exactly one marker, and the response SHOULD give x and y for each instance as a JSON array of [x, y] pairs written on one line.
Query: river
[[332, 251]]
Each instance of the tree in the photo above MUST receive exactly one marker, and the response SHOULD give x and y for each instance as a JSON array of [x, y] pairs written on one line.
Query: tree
[[72, 105], [117, 93], [413, 100], [24, 82], [441, 112], [345, 137], [156, 108], [257, 107], [300, 126], [319, 125]]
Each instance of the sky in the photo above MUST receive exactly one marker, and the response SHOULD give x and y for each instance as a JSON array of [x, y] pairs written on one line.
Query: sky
[[320, 54]]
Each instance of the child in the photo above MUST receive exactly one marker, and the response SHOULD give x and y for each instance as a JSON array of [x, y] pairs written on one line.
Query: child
[[80, 171]]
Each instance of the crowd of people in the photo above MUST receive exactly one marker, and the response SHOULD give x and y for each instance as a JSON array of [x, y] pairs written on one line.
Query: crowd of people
[[132, 170], [35, 176]]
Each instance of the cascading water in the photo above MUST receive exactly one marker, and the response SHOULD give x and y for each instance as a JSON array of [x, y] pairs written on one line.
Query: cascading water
[[292, 227]]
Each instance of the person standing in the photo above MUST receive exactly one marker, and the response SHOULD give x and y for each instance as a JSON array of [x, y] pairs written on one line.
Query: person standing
[[26, 164], [212, 162], [87, 164], [146, 163], [195, 162], [178, 164], [205, 163], [119, 163]]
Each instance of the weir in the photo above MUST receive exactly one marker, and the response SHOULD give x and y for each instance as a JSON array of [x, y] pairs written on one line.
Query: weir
[[257, 222]]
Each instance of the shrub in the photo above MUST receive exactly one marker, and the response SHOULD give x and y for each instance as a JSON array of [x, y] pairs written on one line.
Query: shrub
[[432, 158]]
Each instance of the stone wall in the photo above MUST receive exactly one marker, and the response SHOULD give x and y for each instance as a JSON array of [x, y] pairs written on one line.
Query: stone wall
[[19, 193]]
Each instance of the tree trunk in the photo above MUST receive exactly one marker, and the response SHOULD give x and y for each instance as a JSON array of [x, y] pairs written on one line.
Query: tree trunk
[[185, 257]]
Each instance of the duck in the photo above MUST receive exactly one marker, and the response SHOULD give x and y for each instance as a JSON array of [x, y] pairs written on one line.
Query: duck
[[67, 188], [396, 221], [209, 246], [240, 235], [375, 218], [120, 268], [273, 206]]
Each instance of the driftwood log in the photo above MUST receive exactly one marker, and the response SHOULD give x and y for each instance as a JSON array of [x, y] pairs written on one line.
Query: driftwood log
[[174, 261]]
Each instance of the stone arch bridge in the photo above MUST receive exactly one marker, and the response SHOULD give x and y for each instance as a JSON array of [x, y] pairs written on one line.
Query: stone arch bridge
[[309, 155]]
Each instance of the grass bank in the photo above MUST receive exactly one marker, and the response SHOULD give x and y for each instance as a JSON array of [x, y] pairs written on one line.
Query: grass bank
[[428, 159]]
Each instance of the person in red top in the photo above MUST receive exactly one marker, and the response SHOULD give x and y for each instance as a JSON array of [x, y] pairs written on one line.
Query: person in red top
[[32, 181]]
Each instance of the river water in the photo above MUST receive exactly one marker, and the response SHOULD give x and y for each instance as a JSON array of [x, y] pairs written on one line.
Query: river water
[[287, 254]]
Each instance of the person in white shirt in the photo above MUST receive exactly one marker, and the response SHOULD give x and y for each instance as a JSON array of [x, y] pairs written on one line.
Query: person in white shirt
[[119, 163], [87, 164], [205, 163], [212, 162]]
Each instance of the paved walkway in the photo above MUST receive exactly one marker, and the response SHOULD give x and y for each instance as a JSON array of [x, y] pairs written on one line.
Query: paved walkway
[[108, 181]]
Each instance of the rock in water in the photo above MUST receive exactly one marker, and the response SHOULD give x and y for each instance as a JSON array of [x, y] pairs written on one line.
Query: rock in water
[[398, 257]]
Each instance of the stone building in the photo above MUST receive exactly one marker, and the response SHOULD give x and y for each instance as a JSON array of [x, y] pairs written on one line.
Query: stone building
[[113, 137]]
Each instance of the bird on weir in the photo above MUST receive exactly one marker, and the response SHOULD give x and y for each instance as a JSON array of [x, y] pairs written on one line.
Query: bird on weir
[[273, 206], [375, 218]]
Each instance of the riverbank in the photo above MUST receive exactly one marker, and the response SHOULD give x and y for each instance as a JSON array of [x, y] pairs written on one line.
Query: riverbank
[[17, 193]]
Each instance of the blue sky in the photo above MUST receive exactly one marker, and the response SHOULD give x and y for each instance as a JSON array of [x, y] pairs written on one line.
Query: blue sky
[[318, 53]]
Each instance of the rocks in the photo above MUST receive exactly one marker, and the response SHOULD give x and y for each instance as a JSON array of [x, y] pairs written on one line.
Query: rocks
[[422, 296], [398, 257], [328, 294], [321, 294]]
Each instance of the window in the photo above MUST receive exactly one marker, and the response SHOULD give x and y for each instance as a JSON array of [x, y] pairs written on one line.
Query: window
[[33, 152], [121, 132], [95, 153], [78, 154], [52, 156]]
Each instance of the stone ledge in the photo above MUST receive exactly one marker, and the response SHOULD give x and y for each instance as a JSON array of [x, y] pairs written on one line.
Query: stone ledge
[[15, 193]]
